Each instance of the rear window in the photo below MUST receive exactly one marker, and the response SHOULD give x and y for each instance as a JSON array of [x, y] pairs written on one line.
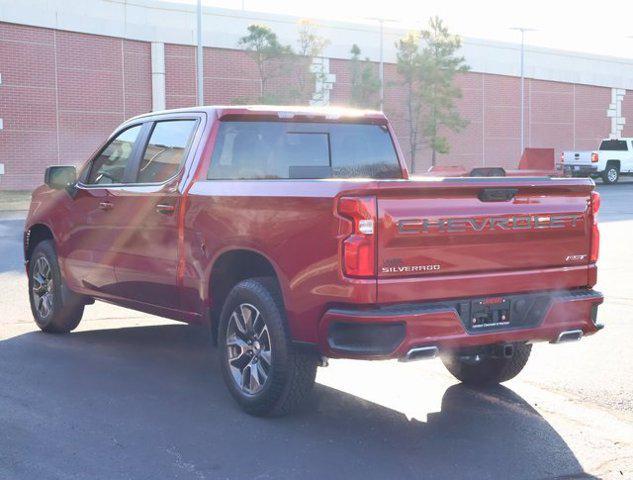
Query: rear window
[[283, 150], [613, 145]]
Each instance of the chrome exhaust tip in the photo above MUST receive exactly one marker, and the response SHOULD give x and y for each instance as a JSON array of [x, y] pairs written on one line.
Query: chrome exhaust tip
[[420, 353], [568, 336]]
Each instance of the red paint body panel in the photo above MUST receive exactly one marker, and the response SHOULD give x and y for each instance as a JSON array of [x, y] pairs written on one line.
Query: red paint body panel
[[292, 224], [161, 262], [483, 236]]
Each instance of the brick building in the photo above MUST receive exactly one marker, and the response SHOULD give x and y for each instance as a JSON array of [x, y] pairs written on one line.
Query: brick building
[[70, 72]]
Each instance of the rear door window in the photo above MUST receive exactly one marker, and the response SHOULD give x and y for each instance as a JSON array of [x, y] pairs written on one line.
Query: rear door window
[[109, 167], [283, 150], [614, 145], [166, 150]]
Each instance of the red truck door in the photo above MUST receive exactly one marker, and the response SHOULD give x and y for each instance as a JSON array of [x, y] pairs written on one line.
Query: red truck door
[[145, 213], [87, 250]]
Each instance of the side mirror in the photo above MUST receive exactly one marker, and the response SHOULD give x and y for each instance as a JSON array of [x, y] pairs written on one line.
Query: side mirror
[[59, 177]]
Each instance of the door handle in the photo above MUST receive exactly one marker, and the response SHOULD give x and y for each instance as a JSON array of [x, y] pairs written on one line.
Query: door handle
[[165, 208], [106, 205]]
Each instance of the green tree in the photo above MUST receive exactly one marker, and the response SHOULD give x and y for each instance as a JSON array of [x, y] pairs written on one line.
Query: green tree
[[365, 81], [428, 75], [270, 56]]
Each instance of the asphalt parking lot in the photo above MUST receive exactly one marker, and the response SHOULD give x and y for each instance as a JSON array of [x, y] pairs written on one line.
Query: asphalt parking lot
[[131, 396]]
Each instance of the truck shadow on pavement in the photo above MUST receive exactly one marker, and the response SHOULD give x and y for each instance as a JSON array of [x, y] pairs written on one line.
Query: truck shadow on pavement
[[149, 402]]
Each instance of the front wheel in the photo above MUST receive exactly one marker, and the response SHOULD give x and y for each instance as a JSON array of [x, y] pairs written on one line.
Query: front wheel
[[611, 174], [487, 369], [55, 308], [261, 369]]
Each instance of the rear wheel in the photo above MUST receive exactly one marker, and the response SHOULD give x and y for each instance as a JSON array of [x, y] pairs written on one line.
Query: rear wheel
[[611, 174], [262, 370], [55, 308], [485, 368]]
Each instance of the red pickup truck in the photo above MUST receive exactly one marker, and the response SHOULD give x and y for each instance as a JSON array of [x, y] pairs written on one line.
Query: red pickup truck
[[297, 234]]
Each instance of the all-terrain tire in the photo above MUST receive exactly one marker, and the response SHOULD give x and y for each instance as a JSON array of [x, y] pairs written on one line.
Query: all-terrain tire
[[488, 370], [291, 373], [63, 308]]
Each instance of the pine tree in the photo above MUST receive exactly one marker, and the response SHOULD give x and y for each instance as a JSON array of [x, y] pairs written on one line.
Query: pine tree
[[409, 66], [365, 81], [438, 69], [428, 75], [270, 56]]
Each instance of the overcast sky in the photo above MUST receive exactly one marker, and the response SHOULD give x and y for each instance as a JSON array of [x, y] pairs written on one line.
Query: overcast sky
[[582, 25]]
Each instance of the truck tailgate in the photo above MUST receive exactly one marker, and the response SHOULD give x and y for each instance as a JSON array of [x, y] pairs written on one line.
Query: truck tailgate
[[577, 158], [460, 226]]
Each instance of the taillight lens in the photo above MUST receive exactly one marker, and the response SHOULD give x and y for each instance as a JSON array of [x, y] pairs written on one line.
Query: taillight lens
[[594, 157], [359, 248], [595, 232]]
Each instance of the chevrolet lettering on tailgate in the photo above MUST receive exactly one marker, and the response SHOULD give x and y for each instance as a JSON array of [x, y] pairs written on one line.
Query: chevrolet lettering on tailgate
[[480, 224]]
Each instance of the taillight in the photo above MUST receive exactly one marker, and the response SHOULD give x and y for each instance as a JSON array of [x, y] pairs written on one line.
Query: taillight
[[595, 232], [594, 157], [359, 248]]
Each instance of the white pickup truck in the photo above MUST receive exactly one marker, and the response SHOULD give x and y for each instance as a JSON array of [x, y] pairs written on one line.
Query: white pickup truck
[[612, 159]]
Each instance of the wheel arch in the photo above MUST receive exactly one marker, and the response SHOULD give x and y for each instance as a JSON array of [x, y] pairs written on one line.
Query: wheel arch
[[35, 234], [230, 267], [618, 163]]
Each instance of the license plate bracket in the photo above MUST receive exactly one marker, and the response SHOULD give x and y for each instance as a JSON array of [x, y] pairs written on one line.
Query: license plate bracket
[[481, 315], [490, 312]]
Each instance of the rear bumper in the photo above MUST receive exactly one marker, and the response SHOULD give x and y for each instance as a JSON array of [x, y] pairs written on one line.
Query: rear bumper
[[392, 331], [570, 170]]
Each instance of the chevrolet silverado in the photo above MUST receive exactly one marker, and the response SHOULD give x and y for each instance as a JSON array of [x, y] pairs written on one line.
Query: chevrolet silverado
[[296, 234]]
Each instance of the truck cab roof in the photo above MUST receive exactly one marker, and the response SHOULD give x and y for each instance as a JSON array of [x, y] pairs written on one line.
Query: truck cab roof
[[281, 112]]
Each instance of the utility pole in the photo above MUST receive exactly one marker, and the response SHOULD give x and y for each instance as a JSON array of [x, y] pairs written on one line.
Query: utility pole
[[199, 60], [381, 65], [522, 30]]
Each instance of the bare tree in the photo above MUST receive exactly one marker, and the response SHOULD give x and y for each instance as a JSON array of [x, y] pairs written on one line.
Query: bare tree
[[310, 45]]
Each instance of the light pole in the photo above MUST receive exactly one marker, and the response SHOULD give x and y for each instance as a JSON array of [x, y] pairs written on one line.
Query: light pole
[[522, 30], [200, 66], [381, 65]]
